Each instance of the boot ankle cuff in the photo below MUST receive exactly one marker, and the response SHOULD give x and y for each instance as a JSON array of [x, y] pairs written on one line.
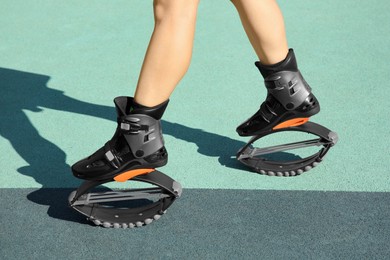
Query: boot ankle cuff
[[289, 63], [156, 111]]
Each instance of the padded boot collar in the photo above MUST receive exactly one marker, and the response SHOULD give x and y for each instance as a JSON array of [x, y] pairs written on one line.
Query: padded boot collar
[[127, 106], [288, 64]]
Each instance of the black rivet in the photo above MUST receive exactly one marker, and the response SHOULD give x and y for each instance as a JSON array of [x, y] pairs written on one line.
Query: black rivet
[[290, 106], [139, 153]]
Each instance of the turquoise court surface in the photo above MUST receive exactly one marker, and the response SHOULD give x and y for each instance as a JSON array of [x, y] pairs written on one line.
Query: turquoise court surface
[[63, 62]]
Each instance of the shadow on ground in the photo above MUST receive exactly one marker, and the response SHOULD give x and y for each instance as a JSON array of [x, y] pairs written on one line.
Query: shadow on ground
[[47, 162]]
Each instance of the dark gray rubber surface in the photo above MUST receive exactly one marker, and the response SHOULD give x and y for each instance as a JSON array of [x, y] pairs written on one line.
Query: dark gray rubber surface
[[204, 224]]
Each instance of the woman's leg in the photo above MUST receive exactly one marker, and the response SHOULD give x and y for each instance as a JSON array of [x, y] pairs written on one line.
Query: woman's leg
[[263, 23], [138, 141], [169, 53], [289, 101]]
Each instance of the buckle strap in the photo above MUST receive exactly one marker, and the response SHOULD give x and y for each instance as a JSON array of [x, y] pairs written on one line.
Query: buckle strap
[[111, 156], [266, 113], [288, 87], [132, 127]]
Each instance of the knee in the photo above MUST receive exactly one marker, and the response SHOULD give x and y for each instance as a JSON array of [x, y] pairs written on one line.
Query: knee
[[174, 9]]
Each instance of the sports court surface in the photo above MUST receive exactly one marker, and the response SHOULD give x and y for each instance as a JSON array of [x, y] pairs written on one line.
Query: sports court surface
[[63, 62]]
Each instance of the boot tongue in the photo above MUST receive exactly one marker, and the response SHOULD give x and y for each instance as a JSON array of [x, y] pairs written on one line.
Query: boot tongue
[[123, 105]]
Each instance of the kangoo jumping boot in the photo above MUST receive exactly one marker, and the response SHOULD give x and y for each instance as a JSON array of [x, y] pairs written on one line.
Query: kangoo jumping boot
[[289, 101], [137, 143]]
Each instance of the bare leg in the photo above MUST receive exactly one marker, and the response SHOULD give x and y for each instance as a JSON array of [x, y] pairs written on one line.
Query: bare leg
[[292, 103], [138, 140], [169, 53], [263, 23]]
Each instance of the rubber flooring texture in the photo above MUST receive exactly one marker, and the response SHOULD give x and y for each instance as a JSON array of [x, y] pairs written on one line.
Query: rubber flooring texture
[[204, 224], [61, 65]]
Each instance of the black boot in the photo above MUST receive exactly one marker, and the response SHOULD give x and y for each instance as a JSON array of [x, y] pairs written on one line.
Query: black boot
[[289, 100], [137, 143]]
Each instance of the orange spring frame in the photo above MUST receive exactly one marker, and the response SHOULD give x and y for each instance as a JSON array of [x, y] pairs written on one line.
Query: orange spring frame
[[131, 174]]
